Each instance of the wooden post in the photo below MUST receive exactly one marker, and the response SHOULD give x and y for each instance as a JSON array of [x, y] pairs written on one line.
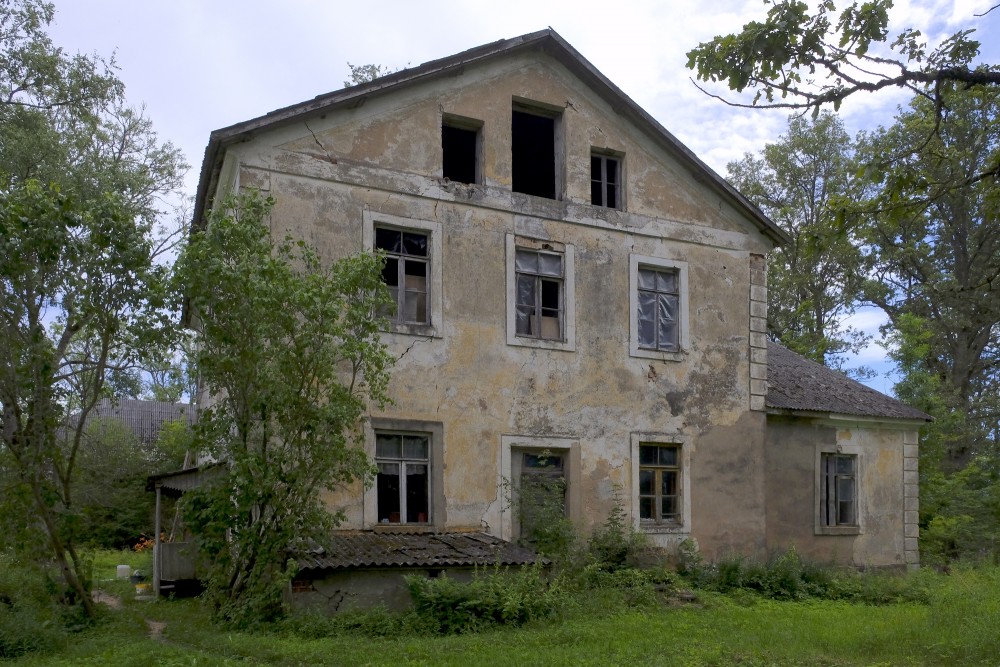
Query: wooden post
[[156, 546]]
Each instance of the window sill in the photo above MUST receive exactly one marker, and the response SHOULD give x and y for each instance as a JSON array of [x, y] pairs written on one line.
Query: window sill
[[659, 355], [838, 530], [663, 528], [425, 330], [542, 343], [404, 528]]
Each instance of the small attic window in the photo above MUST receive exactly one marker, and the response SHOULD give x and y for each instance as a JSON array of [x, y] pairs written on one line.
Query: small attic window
[[533, 153], [460, 149]]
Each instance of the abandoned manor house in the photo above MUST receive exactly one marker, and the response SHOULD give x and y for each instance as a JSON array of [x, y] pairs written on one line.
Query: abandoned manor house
[[580, 306]]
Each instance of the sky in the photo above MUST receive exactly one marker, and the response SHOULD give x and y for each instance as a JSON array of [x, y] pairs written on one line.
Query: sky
[[200, 65]]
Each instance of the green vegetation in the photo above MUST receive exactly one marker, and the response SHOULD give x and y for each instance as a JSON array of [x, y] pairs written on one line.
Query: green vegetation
[[953, 622]]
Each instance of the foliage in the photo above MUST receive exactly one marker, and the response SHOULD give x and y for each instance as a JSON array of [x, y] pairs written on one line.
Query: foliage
[[934, 232], [29, 621], [497, 597], [289, 348], [366, 73], [956, 624], [801, 182], [787, 577], [81, 181], [614, 543], [803, 56], [82, 299]]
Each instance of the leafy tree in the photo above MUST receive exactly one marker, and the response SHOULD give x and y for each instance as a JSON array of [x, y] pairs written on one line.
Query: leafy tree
[[83, 299], [933, 229], [801, 182], [289, 348], [812, 57]]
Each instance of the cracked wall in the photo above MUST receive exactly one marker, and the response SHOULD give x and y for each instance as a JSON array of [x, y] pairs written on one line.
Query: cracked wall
[[384, 158]]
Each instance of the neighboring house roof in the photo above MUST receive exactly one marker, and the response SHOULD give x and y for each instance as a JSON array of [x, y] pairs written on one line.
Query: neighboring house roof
[[375, 549], [143, 418], [547, 41], [799, 384]]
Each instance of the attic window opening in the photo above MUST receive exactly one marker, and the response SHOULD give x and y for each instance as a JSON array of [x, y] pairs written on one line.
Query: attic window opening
[[460, 151], [533, 154], [605, 181]]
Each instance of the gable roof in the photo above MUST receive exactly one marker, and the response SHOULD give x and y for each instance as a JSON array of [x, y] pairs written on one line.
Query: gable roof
[[799, 384], [548, 42], [368, 549]]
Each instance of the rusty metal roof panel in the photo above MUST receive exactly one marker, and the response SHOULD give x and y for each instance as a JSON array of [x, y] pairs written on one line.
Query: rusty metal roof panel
[[378, 549]]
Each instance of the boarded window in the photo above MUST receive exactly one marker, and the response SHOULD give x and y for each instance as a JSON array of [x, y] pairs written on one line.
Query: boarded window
[[539, 279], [658, 309], [406, 272], [838, 490], [659, 483], [403, 479]]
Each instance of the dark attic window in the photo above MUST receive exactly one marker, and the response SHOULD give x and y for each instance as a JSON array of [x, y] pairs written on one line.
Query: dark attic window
[[458, 146], [533, 154]]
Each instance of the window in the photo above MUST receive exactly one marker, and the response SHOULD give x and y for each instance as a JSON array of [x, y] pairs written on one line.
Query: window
[[539, 304], [533, 154], [540, 293], [412, 272], [405, 273], [403, 480], [460, 149], [659, 483], [605, 181], [838, 490], [659, 307]]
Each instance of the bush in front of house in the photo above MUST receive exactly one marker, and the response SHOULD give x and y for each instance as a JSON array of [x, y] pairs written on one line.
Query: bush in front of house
[[786, 576], [498, 596]]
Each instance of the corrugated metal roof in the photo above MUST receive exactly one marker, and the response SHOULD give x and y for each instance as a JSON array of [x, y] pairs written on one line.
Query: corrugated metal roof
[[797, 383], [377, 549], [144, 418]]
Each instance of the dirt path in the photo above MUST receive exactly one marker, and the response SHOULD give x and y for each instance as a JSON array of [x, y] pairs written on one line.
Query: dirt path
[[113, 602]]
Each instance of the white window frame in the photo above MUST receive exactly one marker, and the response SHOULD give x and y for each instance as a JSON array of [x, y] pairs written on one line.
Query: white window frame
[[435, 258], [662, 264], [402, 461], [568, 342], [683, 443], [822, 528]]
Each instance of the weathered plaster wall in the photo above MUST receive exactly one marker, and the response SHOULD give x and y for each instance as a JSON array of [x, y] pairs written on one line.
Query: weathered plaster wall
[[358, 589], [383, 158], [791, 491]]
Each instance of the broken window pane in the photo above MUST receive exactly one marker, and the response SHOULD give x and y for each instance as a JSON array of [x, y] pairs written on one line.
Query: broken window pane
[[538, 299], [403, 269]]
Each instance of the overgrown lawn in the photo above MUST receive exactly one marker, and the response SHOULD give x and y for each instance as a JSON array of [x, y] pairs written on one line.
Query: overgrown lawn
[[958, 625]]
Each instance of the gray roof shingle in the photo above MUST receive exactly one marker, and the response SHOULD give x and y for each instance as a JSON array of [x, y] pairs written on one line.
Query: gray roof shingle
[[374, 549], [797, 383]]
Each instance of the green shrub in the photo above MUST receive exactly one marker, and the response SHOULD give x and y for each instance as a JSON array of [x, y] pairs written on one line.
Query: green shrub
[[497, 597], [30, 620]]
